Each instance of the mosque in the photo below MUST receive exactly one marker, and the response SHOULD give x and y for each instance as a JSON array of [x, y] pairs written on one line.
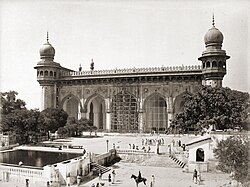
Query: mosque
[[129, 99]]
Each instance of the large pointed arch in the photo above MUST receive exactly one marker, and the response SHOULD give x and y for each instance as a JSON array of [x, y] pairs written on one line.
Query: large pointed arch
[[155, 110], [124, 112], [72, 105], [95, 107]]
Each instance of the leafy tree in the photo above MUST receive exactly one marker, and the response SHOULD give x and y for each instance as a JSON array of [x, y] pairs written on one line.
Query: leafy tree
[[9, 102], [232, 155], [22, 123], [71, 127], [62, 131], [51, 119], [221, 108], [76, 127], [83, 124]]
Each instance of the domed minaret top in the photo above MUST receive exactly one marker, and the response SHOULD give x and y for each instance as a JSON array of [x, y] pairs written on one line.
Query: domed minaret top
[[213, 40], [213, 58], [47, 51], [213, 37]]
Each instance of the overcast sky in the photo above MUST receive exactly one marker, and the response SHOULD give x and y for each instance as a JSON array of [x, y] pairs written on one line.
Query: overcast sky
[[118, 34]]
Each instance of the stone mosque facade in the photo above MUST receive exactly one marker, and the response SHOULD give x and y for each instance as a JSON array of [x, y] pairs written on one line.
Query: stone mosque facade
[[129, 100]]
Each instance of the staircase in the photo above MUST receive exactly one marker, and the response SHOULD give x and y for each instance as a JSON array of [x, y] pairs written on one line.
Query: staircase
[[178, 162], [97, 167]]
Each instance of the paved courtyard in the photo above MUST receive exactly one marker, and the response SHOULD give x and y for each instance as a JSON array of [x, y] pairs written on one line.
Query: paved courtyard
[[166, 172]]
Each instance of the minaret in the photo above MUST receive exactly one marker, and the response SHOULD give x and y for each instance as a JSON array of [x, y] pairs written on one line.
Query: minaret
[[47, 73], [213, 58]]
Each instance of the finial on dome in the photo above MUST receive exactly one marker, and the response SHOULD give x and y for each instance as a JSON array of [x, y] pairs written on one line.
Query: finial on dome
[[92, 64], [213, 20], [80, 68], [47, 37]]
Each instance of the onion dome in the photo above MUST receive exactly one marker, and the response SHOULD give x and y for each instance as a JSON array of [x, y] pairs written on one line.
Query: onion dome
[[47, 51], [213, 35]]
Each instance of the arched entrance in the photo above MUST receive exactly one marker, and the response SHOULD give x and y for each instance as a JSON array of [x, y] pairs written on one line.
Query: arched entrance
[[200, 155], [156, 114], [96, 112], [124, 113]]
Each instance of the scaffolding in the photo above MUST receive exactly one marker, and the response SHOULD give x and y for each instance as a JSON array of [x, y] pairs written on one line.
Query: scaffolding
[[124, 115]]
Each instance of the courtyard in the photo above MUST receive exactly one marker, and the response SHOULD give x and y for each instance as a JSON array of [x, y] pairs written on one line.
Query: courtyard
[[167, 173]]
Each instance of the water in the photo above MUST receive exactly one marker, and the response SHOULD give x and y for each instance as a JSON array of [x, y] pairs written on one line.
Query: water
[[35, 158]]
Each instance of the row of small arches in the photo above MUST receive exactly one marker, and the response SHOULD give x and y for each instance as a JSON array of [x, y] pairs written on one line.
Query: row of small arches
[[46, 73], [214, 64]]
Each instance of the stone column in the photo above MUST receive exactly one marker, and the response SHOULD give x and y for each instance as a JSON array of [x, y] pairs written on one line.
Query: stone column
[[140, 116], [140, 120], [84, 113], [108, 114], [108, 121], [79, 111], [170, 110]]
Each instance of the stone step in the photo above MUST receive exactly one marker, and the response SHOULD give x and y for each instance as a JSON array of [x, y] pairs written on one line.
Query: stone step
[[96, 167]]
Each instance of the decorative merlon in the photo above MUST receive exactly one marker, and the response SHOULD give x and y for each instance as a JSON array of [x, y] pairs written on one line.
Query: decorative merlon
[[135, 70]]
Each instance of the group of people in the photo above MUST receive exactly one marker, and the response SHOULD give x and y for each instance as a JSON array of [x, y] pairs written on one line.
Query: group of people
[[111, 178], [152, 141], [133, 146], [179, 144]]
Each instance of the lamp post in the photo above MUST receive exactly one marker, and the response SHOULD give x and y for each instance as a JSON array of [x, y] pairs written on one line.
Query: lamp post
[[107, 145]]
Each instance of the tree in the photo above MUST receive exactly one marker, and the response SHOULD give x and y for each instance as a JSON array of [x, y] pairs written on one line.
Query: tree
[[76, 127], [72, 127], [232, 155], [220, 108], [22, 123], [9, 102], [51, 119]]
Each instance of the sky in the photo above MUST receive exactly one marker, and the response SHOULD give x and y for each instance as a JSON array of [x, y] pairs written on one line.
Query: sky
[[118, 34]]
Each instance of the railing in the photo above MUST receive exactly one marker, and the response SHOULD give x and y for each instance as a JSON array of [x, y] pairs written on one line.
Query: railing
[[134, 70], [130, 151], [10, 172]]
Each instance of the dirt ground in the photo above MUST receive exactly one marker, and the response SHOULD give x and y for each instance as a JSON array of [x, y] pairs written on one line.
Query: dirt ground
[[166, 172]]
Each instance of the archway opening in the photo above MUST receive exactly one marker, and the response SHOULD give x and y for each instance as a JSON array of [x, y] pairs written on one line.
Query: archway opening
[[97, 112], [200, 155], [156, 114]]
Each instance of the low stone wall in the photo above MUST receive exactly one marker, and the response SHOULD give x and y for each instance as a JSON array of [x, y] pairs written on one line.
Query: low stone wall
[[15, 173], [199, 166], [105, 159]]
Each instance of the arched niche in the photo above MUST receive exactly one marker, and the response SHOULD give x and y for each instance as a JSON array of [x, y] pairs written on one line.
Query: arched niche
[[155, 110], [95, 106], [72, 105], [200, 155]]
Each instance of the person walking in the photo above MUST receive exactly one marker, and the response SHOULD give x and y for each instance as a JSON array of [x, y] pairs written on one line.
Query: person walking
[[195, 176], [109, 179], [198, 177], [152, 183], [113, 176], [100, 175]]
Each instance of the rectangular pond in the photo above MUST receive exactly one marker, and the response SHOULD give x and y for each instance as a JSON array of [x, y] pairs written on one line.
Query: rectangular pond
[[35, 158]]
